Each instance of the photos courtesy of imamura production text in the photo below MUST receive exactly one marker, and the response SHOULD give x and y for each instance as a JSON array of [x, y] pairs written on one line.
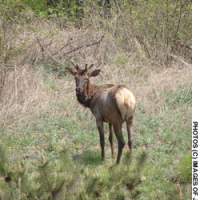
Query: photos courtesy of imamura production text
[[95, 99]]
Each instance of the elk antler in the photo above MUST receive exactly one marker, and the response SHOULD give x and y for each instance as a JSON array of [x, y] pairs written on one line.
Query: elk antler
[[90, 67], [77, 67], [86, 67]]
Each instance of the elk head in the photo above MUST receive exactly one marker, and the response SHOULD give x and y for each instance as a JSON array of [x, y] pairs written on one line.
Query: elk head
[[82, 80]]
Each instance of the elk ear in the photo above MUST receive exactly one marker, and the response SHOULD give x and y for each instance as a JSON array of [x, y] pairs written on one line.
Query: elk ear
[[94, 73]]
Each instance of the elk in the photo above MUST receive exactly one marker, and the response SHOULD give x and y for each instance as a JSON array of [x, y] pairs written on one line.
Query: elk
[[112, 104]]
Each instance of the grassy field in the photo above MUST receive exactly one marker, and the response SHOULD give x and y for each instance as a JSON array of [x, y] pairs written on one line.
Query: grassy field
[[49, 145]]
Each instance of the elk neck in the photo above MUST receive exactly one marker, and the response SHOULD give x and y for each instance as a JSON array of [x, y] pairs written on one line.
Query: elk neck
[[87, 95]]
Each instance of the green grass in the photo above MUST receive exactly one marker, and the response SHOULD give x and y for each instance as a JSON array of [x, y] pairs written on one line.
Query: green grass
[[120, 59], [181, 96], [54, 157]]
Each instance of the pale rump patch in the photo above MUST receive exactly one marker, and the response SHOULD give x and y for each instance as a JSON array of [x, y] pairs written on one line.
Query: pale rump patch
[[126, 102]]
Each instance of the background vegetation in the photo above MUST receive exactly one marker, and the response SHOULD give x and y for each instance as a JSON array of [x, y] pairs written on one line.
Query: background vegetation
[[49, 146]]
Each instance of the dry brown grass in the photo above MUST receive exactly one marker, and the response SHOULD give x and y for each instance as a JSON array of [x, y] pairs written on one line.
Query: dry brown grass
[[22, 92], [26, 90], [149, 83]]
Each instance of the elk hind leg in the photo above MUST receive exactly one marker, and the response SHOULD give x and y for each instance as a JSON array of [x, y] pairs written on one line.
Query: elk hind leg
[[120, 140], [111, 139], [129, 123]]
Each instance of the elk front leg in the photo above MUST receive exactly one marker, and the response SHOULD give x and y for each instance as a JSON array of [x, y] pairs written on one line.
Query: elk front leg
[[101, 137], [111, 139]]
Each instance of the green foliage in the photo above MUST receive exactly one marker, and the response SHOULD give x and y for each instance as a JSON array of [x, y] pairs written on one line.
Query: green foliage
[[116, 182], [153, 29], [88, 158], [71, 9], [38, 6]]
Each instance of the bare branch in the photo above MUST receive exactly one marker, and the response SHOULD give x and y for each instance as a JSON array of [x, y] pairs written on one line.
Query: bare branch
[[85, 46], [65, 45], [48, 53], [141, 41], [180, 60], [50, 56]]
